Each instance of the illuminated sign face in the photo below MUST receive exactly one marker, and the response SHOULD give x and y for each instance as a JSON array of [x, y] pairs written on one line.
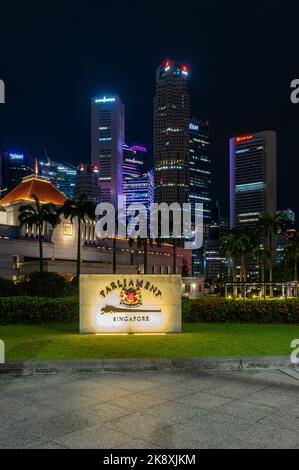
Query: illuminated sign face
[[16, 156], [244, 138], [130, 304], [105, 100], [193, 127]]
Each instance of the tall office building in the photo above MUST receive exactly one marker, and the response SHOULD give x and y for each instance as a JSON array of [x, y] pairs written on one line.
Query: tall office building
[[140, 189], [200, 167], [87, 182], [62, 175], [200, 183], [171, 133], [134, 161], [107, 141], [14, 167], [252, 177]]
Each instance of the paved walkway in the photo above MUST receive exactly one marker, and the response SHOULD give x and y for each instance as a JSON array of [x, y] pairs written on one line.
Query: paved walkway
[[242, 409]]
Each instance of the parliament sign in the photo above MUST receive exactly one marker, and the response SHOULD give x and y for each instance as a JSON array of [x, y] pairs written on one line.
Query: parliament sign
[[121, 303]]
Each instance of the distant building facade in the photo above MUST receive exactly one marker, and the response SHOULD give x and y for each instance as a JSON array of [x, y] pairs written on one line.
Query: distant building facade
[[140, 190], [134, 161], [62, 175], [14, 166], [216, 263], [200, 171], [107, 142], [87, 182], [252, 177]]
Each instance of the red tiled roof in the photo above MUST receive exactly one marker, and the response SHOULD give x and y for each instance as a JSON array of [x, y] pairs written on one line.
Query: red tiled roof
[[43, 189]]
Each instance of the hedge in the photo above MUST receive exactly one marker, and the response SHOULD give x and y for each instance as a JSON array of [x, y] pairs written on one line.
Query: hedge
[[66, 310], [38, 309], [244, 311]]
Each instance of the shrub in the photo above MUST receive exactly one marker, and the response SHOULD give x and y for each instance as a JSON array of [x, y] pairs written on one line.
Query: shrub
[[48, 285], [22, 309], [38, 309], [8, 287], [244, 311]]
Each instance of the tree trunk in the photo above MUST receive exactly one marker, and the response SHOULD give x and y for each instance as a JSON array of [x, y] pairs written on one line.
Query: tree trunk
[[235, 288], [270, 263], [295, 275], [243, 275], [41, 256], [79, 250], [145, 257], [114, 255]]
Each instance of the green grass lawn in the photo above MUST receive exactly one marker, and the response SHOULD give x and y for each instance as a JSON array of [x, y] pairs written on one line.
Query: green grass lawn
[[62, 341]]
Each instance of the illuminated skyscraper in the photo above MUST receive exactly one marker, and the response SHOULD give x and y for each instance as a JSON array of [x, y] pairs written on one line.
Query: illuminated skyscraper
[[252, 177], [107, 141], [140, 189], [134, 161], [200, 182], [171, 133], [200, 167]]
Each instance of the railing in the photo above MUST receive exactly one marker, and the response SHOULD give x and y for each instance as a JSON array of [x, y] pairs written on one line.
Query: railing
[[261, 290]]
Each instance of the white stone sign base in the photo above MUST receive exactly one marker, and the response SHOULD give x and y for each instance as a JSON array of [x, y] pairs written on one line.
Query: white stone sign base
[[124, 303]]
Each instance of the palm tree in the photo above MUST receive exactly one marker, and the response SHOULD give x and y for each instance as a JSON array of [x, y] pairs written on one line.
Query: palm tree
[[237, 244], [38, 214], [271, 226], [230, 249], [291, 251], [260, 253], [82, 209], [131, 243]]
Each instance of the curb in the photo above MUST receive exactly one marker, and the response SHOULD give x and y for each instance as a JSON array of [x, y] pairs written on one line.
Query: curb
[[171, 364]]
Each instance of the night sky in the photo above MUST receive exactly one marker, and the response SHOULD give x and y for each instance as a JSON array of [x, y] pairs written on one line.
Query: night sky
[[55, 56]]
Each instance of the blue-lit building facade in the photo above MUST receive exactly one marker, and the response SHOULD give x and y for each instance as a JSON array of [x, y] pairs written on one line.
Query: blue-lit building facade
[[140, 190], [107, 142], [134, 161], [14, 166], [62, 175], [200, 173], [200, 167]]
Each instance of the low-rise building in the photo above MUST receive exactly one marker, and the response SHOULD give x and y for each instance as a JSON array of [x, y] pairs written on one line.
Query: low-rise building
[[19, 250]]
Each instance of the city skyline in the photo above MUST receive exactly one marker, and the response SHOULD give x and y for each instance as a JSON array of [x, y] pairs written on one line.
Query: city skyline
[[231, 84]]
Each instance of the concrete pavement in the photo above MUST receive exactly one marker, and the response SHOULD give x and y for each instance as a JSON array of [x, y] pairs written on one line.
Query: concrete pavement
[[253, 408]]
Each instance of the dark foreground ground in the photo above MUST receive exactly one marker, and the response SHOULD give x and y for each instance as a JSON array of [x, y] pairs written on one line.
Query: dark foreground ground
[[242, 409]]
